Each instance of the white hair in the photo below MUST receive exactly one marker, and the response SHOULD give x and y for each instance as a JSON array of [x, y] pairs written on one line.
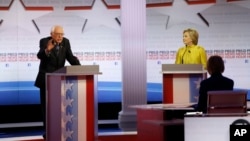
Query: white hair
[[54, 27]]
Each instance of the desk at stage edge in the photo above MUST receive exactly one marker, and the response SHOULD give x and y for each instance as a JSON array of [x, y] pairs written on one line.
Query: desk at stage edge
[[210, 128], [175, 106], [161, 122]]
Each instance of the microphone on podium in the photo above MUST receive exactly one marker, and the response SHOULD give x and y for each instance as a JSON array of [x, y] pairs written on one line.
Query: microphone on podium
[[183, 55]]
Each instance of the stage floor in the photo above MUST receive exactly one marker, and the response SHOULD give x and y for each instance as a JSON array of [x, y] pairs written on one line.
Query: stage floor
[[108, 131], [108, 136]]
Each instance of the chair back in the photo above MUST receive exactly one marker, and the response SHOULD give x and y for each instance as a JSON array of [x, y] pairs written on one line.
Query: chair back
[[229, 101]]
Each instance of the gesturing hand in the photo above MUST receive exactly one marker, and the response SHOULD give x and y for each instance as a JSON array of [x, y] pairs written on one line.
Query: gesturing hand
[[50, 45]]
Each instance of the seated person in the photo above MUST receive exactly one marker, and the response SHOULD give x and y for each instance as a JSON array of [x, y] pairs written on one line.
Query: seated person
[[216, 81]]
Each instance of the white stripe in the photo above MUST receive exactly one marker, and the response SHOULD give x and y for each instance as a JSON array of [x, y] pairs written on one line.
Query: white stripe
[[181, 88], [82, 110]]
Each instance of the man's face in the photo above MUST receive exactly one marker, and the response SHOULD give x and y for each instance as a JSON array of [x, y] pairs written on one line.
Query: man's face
[[58, 34]]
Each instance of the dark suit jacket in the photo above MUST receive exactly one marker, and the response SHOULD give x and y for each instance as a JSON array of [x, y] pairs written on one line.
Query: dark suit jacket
[[52, 62], [214, 82]]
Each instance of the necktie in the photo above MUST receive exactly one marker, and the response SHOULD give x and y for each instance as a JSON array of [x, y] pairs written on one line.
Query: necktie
[[57, 49]]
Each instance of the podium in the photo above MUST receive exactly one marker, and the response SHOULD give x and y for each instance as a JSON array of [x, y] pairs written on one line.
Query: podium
[[181, 82], [72, 104]]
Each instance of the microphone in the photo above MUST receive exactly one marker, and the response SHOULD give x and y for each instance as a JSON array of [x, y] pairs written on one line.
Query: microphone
[[183, 55], [57, 46], [57, 49]]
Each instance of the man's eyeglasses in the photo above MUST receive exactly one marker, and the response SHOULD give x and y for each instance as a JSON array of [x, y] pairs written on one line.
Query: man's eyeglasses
[[59, 34]]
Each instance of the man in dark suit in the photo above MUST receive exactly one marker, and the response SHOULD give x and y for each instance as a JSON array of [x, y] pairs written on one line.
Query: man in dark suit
[[216, 81], [53, 53]]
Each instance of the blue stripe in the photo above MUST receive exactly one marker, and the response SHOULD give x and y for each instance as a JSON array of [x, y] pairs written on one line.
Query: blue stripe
[[24, 92]]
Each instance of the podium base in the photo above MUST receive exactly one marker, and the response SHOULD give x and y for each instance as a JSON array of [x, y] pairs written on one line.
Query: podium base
[[127, 121]]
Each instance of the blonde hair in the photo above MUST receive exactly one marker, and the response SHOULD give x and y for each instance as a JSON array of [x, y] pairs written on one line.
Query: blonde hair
[[194, 35]]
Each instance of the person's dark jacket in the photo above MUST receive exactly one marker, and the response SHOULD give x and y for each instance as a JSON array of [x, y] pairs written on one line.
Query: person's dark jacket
[[214, 82], [53, 61]]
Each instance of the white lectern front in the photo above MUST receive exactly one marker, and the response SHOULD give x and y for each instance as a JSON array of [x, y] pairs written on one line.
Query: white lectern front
[[181, 82], [72, 104]]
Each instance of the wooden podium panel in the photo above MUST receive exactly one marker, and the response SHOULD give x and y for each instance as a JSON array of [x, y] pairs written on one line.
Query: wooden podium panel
[[72, 104], [161, 122], [181, 82], [145, 130]]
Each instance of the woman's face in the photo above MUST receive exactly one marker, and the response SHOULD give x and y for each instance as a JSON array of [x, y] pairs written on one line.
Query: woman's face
[[186, 39]]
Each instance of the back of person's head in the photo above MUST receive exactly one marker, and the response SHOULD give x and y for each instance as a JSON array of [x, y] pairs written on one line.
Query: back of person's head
[[215, 64], [194, 35]]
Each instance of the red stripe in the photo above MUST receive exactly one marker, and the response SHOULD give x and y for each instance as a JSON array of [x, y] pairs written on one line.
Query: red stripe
[[90, 108], [77, 8], [168, 88], [39, 8], [200, 1], [159, 4], [4, 8], [233, 0]]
